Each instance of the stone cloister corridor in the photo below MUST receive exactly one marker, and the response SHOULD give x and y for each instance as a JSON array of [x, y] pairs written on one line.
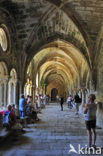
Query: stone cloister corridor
[[52, 135], [51, 49]]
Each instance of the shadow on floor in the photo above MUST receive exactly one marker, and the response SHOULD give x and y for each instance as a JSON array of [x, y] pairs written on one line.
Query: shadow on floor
[[13, 140]]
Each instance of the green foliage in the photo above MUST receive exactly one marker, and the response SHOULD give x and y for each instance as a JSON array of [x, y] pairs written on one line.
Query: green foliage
[[42, 83]]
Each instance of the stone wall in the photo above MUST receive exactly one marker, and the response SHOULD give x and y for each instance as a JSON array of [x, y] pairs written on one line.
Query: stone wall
[[100, 114]]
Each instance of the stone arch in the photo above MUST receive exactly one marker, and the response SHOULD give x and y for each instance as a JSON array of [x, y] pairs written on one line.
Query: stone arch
[[8, 24], [3, 39], [12, 87], [74, 17], [52, 30], [3, 69], [68, 14], [3, 83], [13, 74], [55, 44], [43, 44], [52, 40]]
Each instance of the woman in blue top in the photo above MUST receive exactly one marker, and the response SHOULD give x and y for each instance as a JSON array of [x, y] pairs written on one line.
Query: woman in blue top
[[22, 104], [90, 119]]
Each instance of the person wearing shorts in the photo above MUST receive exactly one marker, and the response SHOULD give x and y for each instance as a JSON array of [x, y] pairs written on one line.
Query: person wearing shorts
[[90, 119]]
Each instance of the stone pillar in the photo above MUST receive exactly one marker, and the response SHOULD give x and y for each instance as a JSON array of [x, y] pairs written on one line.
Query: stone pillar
[[25, 90], [83, 97], [9, 92], [33, 93], [5, 93], [20, 87], [44, 90], [87, 94], [79, 93], [92, 90], [30, 90], [17, 94], [14, 100]]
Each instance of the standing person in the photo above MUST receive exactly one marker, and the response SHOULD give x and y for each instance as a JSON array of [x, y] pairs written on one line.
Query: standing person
[[22, 103], [90, 119], [77, 100], [44, 100], [57, 98], [61, 102], [69, 101]]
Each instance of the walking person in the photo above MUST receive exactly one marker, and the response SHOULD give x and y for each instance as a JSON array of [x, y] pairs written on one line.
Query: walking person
[[69, 101], [61, 102], [77, 101], [90, 120]]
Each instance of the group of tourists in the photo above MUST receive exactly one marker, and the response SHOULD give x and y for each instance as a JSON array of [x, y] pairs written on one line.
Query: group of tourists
[[10, 115], [89, 114], [27, 108], [74, 102], [42, 100]]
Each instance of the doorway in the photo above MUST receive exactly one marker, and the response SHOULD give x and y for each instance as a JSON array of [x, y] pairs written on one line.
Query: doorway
[[54, 93]]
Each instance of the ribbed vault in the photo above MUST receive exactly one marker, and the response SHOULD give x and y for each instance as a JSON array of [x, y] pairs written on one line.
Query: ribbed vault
[[62, 63]]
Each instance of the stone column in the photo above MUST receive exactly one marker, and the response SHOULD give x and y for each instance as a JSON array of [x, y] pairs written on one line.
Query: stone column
[[33, 93], [2, 92], [30, 90], [87, 94], [14, 100], [83, 97], [92, 90], [44, 90], [17, 94], [79, 93], [9, 92], [21, 91], [5, 93]]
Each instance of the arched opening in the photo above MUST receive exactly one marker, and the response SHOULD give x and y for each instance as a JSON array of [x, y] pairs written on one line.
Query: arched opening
[[3, 83], [54, 93], [12, 85], [3, 39], [59, 55], [60, 65]]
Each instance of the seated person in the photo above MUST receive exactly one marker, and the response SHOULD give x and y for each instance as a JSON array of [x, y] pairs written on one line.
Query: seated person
[[9, 117]]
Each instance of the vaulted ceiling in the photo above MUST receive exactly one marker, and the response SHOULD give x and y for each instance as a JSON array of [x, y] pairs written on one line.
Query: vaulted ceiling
[[59, 35]]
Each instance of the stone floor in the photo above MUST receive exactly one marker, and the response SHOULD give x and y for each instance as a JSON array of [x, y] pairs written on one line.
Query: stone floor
[[52, 135]]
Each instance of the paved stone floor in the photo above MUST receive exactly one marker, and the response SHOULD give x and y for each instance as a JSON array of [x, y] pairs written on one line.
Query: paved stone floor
[[51, 136]]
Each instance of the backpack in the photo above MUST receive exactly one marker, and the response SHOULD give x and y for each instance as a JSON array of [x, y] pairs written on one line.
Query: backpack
[[77, 99]]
